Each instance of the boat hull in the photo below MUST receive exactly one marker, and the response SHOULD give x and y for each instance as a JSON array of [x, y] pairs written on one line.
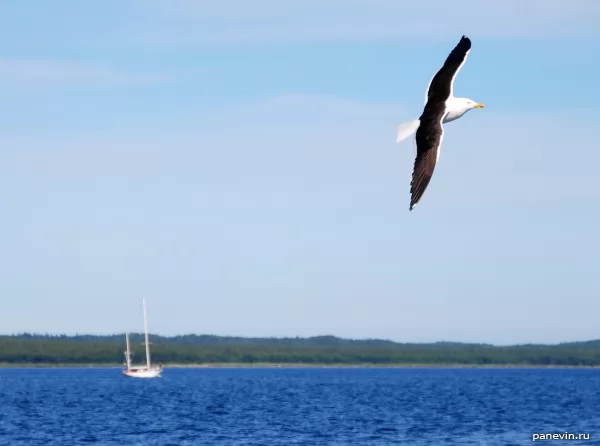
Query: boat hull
[[142, 373]]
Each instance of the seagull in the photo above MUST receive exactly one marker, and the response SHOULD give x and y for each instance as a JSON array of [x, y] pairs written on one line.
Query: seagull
[[440, 106]]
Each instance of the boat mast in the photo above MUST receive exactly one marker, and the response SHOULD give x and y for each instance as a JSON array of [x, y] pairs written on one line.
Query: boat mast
[[146, 336], [127, 352]]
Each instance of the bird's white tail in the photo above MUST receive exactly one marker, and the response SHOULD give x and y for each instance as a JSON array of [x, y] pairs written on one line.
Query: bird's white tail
[[405, 130]]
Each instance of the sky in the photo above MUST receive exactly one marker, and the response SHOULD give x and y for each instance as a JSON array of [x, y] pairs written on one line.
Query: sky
[[235, 164]]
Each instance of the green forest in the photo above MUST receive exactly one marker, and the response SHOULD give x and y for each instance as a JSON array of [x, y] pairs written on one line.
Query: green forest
[[42, 349]]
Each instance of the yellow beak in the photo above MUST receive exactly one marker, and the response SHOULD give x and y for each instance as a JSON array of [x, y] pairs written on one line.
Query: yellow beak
[[480, 106]]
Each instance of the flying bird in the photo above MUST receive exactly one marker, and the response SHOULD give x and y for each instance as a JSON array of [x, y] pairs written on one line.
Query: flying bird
[[440, 106]]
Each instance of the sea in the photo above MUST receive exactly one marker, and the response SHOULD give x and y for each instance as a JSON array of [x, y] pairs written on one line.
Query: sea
[[300, 406]]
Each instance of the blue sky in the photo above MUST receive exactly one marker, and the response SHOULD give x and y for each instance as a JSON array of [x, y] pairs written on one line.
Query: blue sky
[[236, 166]]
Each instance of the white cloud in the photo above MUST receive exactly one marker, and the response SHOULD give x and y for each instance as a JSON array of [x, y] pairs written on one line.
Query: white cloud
[[60, 71], [156, 23], [332, 104], [344, 145]]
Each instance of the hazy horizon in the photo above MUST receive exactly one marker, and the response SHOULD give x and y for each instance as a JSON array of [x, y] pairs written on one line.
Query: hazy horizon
[[236, 165]]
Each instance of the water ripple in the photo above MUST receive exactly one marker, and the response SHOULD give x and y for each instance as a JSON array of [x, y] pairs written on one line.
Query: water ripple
[[243, 407]]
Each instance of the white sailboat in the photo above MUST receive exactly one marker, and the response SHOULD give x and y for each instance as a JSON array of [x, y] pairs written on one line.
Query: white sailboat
[[147, 371]]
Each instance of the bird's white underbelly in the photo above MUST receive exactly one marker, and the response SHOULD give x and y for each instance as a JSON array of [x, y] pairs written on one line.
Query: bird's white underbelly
[[452, 115]]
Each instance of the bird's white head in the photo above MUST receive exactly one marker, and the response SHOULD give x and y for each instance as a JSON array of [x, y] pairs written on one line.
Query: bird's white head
[[457, 107], [470, 104]]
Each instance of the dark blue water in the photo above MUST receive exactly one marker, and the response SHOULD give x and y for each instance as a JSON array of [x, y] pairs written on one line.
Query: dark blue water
[[297, 406]]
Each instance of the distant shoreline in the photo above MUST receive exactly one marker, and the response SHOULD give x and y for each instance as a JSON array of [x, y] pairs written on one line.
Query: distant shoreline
[[208, 351], [298, 365]]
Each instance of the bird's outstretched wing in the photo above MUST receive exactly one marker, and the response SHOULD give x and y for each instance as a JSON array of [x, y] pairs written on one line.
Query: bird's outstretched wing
[[442, 83], [429, 140]]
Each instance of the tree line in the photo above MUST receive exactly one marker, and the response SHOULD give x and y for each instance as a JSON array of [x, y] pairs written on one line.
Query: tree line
[[40, 349]]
